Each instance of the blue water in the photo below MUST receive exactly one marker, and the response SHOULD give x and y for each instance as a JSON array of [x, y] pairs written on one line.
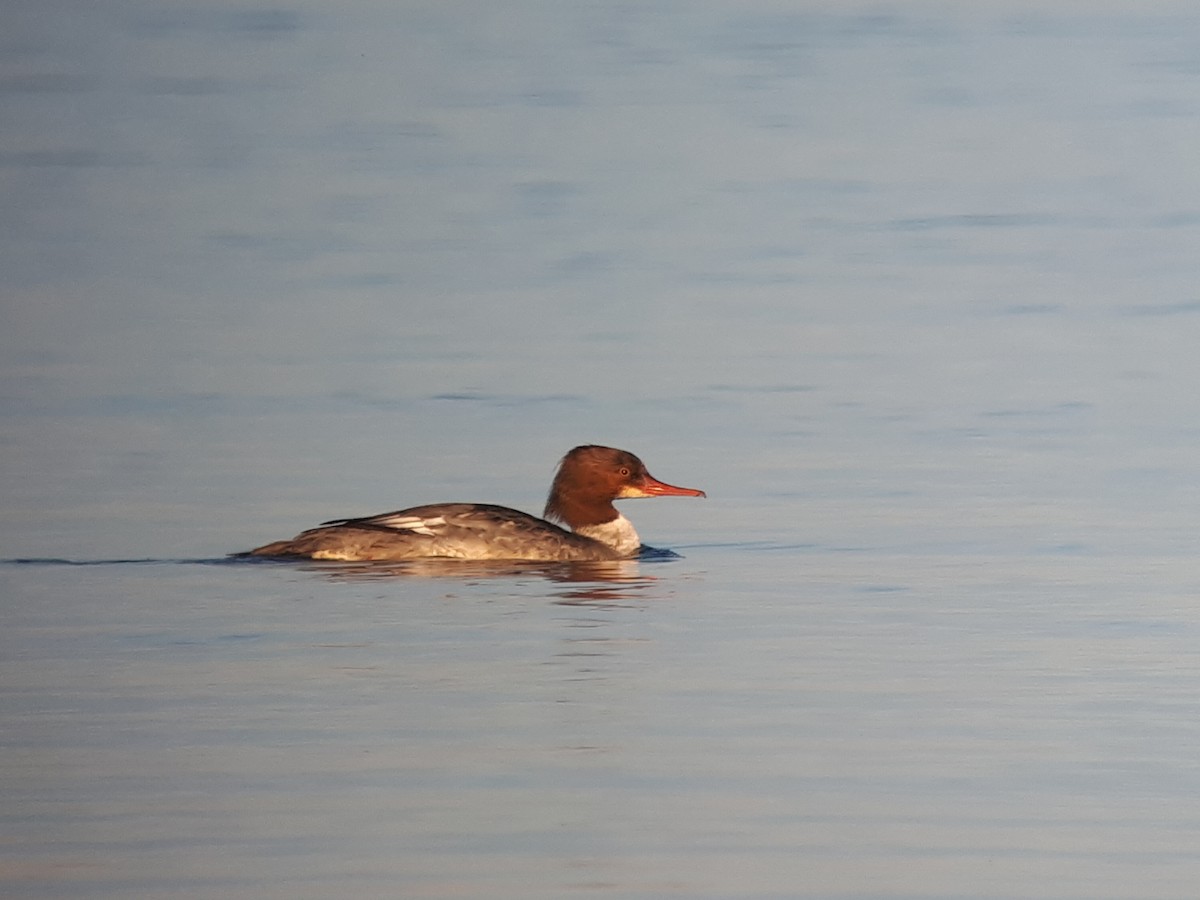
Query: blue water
[[909, 290]]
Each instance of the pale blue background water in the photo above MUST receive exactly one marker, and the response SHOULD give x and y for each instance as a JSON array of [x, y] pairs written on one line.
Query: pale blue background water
[[910, 289]]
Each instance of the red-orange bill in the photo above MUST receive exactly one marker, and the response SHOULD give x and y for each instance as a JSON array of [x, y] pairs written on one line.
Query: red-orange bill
[[652, 487]]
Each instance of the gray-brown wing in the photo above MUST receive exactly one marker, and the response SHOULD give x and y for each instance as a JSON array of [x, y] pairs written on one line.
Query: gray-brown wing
[[451, 530]]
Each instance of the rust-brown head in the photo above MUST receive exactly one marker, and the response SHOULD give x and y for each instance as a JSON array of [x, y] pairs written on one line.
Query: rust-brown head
[[590, 478]]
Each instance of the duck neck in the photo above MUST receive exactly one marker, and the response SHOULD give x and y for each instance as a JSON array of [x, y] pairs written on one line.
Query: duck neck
[[617, 533], [592, 518], [578, 508]]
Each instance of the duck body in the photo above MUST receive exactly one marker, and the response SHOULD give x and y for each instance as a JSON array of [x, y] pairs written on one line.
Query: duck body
[[447, 530], [589, 478]]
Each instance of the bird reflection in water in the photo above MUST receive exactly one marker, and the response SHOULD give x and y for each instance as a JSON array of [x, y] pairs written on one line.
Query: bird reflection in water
[[600, 583]]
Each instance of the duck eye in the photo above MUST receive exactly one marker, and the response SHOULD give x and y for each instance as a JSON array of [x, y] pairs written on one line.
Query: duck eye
[[623, 471]]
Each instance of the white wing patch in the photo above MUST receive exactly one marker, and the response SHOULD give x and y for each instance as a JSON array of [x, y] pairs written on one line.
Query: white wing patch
[[338, 555], [415, 524]]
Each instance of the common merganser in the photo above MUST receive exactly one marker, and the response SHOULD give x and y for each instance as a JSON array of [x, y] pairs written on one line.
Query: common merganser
[[589, 478]]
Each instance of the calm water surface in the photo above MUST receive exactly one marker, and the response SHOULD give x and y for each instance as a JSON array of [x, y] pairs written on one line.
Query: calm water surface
[[910, 290]]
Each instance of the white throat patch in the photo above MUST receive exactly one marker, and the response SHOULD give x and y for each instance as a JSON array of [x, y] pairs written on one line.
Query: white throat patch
[[618, 534]]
